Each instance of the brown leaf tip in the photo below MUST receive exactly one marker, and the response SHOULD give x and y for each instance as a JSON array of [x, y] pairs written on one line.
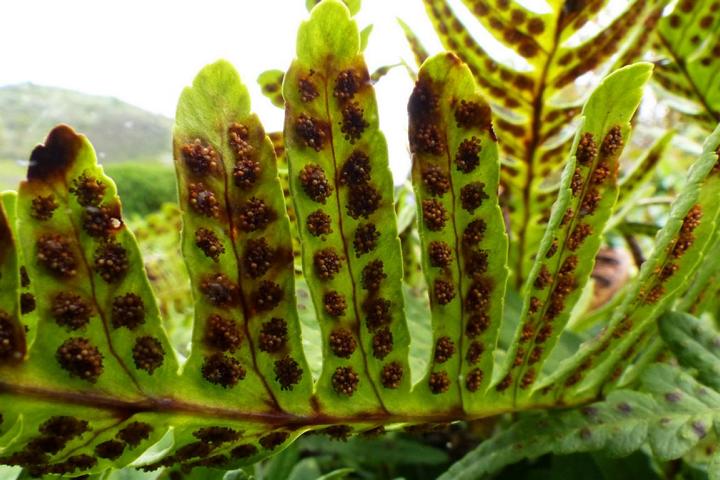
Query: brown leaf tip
[[334, 303], [288, 373], [439, 382], [148, 354], [315, 183], [342, 342], [199, 158], [377, 311], [311, 131], [255, 215], [467, 157], [273, 335], [268, 296], [222, 370], [327, 263], [43, 207], [345, 381], [472, 196], [439, 254], [436, 182], [434, 214], [54, 253], [88, 190], [258, 257], [203, 201], [469, 114], [382, 343], [356, 169], [222, 333], [347, 84], [613, 142], [319, 223], [365, 239], [391, 375], [444, 291], [444, 349], [207, 241], [587, 149], [219, 290], [80, 358], [353, 122], [56, 156], [70, 310], [111, 261], [474, 379], [372, 275], [363, 200], [477, 324]]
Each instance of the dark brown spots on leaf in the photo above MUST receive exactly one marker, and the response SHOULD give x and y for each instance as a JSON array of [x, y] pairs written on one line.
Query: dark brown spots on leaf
[[54, 253], [474, 379], [287, 373], [327, 263], [246, 173], [24, 278], [111, 262], [527, 333], [216, 435], [553, 249], [70, 310], [307, 90], [373, 275], [472, 196], [426, 138], [478, 296], [668, 271], [612, 142], [365, 239], [391, 375], [135, 433], [274, 439], [209, 243], [342, 343], [654, 295], [258, 257], [567, 217], [42, 207], [268, 296], [475, 351], [319, 223], [356, 169], [222, 333], [334, 303], [439, 382], [238, 135], [200, 159], [339, 433], [535, 355], [504, 383], [311, 132], [88, 190], [686, 237], [535, 304], [444, 349], [363, 200], [193, 450], [254, 215], [8, 340], [474, 233], [477, 324], [99, 222], [469, 114], [222, 370], [544, 333], [467, 157], [576, 184], [273, 335], [377, 311], [148, 354], [543, 279], [382, 343], [579, 234], [434, 214], [527, 379], [436, 182], [27, 304], [345, 381], [423, 101], [440, 254], [444, 291], [535, 26], [314, 183], [244, 451], [219, 290], [110, 449], [347, 85], [586, 150], [590, 202], [80, 358], [203, 201], [601, 172], [353, 123]]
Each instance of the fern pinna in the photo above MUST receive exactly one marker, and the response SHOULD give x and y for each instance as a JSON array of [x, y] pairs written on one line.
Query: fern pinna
[[89, 380]]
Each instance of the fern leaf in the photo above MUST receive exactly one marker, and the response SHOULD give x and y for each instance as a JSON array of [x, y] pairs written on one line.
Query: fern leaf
[[418, 49], [270, 82], [455, 176], [343, 195]]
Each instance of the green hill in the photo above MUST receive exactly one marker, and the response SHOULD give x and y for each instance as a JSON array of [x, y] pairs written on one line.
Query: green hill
[[119, 131]]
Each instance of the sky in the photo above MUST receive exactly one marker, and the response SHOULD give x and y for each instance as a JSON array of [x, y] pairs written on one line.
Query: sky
[[144, 52]]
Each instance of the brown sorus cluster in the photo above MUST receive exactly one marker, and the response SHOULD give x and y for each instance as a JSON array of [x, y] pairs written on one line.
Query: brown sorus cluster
[[436, 182], [553, 248], [273, 335], [338, 432], [377, 311], [315, 183], [347, 84], [216, 435], [434, 214], [203, 201], [363, 200], [475, 350], [222, 370], [246, 173], [128, 311], [244, 451], [80, 358], [135, 433], [439, 382], [527, 379], [612, 142], [258, 257], [42, 207], [365, 239], [318, 223], [444, 291], [55, 254], [100, 221], [472, 196], [342, 342], [587, 149], [427, 139], [373, 275], [535, 304], [440, 254], [200, 159], [209, 243], [219, 290], [356, 169], [567, 217], [686, 237], [268, 296], [287, 373], [474, 379], [527, 333], [353, 123], [391, 375], [27, 303], [601, 172], [535, 355], [578, 235], [88, 190], [254, 215], [590, 202], [345, 380], [564, 286], [334, 303], [469, 114], [576, 184], [478, 296], [668, 271], [307, 90], [70, 310], [476, 263], [327, 263], [7, 336], [474, 233], [655, 294], [477, 324], [467, 157], [423, 101], [148, 354], [110, 449], [111, 261], [504, 383], [222, 333], [544, 278], [444, 349], [311, 131], [273, 440], [238, 136], [382, 343]]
